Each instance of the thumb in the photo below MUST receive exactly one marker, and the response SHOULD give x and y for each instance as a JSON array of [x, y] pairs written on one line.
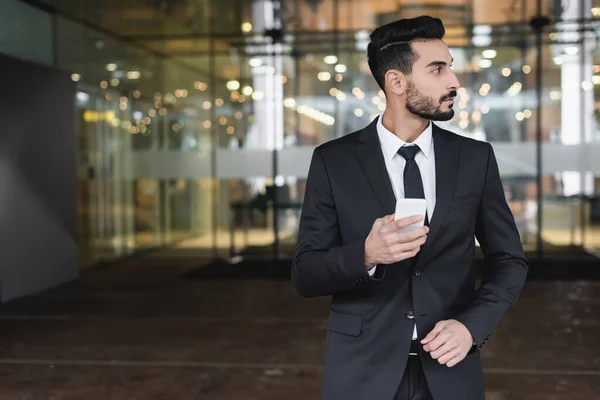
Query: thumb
[[434, 332]]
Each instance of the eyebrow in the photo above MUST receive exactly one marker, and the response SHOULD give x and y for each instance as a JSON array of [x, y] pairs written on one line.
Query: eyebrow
[[440, 63]]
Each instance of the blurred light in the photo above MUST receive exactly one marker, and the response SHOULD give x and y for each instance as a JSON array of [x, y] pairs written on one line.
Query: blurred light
[[83, 97], [235, 95], [596, 11], [114, 82], [338, 77], [219, 102], [116, 122], [596, 69], [341, 96], [230, 130], [376, 100], [257, 96], [76, 77], [506, 71], [360, 96], [373, 116], [147, 120], [381, 94], [133, 75], [136, 94], [316, 115], [381, 107], [207, 105], [255, 62], [571, 50], [358, 112], [123, 106], [233, 85], [123, 99], [356, 91], [485, 109], [485, 63], [587, 85], [463, 123], [103, 84], [519, 116], [464, 115], [489, 53], [239, 115], [134, 130], [207, 124], [138, 115], [596, 80], [163, 111], [284, 79], [107, 96], [483, 92], [558, 60], [482, 29], [526, 69], [482, 40], [178, 93], [462, 91], [143, 129], [514, 89], [476, 116], [111, 67], [176, 127], [184, 93], [247, 90], [246, 27], [341, 68], [126, 125], [552, 35], [462, 104], [527, 113], [324, 76], [200, 86], [242, 99], [330, 60], [152, 112], [223, 120], [486, 87], [279, 180], [555, 95], [289, 103], [333, 91]]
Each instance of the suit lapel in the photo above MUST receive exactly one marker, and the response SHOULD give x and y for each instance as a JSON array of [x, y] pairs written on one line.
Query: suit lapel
[[446, 169], [371, 158]]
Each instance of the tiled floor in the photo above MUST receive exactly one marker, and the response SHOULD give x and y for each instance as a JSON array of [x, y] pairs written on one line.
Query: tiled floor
[[139, 331]]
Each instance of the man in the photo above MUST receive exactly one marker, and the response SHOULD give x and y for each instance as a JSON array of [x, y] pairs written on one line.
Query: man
[[406, 320]]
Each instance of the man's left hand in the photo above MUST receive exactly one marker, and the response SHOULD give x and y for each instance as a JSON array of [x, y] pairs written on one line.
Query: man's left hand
[[448, 342]]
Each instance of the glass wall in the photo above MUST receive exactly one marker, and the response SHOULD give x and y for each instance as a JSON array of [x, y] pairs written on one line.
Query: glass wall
[[197, 119]]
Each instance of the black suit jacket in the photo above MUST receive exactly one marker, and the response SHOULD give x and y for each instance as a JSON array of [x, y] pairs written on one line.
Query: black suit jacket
[[368, 333]]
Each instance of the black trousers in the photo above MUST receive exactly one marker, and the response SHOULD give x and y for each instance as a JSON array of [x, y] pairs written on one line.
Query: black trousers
[[413, 385]]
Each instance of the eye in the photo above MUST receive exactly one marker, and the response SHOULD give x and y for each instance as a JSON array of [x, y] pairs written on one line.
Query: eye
[[437, 70]]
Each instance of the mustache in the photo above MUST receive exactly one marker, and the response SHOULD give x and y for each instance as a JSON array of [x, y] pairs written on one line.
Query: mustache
[[449, 95]]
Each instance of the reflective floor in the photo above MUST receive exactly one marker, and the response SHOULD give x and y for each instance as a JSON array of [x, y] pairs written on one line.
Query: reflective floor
[[139, 331]]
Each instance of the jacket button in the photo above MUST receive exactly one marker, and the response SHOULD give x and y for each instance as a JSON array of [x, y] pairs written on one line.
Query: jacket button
[[410, 315], [417, 272]]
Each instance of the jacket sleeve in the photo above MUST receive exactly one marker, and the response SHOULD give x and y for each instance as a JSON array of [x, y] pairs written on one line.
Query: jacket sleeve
[[506, 266], [322, 265]]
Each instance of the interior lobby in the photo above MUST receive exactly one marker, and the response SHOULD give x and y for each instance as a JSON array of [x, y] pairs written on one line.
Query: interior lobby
[[194, 123]]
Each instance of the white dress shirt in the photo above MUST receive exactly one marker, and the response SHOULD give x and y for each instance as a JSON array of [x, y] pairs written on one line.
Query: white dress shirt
[[394, 163]]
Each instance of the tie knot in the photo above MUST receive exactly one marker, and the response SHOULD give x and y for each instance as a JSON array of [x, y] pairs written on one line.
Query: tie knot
[[409, 152]]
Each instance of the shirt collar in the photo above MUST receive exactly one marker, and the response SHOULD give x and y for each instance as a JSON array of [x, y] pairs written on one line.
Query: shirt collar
[[390, 143]]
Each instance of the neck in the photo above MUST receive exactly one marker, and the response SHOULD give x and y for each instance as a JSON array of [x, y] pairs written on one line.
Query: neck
[[403, 123]]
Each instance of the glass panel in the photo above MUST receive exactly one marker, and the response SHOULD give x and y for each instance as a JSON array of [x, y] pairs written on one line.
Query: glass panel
[[18, 39]]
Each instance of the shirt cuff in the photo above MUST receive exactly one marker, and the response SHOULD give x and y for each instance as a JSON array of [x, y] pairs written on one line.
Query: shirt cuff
[[372, 271]]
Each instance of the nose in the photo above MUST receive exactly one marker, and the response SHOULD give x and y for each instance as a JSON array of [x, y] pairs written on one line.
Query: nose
[[454, 84]]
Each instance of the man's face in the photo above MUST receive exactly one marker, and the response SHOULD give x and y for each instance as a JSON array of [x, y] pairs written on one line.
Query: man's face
[[431, 87]]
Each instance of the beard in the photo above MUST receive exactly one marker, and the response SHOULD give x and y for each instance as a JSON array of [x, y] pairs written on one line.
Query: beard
[[426, 107]]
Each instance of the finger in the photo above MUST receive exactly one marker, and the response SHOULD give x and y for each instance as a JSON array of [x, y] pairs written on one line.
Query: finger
[[434, 332], [449, 355], [455, 361], [438, 342], [404, 222], [379, 222], [406, 250], [447, 350], [403, 237]]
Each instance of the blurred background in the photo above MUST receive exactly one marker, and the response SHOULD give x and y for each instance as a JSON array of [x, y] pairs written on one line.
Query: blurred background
[[195, 122]]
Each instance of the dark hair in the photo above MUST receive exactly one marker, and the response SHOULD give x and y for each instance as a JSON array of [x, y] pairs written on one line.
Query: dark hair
[[390, 45]]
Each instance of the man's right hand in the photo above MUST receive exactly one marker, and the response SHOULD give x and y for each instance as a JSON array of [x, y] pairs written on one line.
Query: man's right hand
[[385, 245]]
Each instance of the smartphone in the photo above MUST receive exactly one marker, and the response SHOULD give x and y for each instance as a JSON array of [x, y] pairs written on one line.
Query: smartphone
[[409, 207]]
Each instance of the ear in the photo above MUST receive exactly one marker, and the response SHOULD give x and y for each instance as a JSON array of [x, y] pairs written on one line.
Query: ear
[[395, 81]]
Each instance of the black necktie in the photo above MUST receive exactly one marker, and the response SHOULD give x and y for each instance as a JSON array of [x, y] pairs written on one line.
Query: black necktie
[[413, 184]]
